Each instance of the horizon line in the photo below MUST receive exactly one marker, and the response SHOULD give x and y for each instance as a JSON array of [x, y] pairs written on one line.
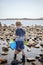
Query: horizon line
[[20, 18]]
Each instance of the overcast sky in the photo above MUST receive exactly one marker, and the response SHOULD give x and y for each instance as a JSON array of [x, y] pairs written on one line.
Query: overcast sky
[[21, 8]]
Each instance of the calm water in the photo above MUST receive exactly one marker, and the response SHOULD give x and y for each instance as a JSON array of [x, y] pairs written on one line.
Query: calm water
[[32, 54], [24, 22]]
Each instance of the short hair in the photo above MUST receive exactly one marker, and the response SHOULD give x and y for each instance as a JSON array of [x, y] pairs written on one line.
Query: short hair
[[18, 23]]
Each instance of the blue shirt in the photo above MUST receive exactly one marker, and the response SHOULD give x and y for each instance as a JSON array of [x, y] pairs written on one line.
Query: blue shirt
[[21, 33]]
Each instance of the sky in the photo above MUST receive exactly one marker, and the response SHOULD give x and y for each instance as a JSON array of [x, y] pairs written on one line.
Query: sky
[[21, 8]]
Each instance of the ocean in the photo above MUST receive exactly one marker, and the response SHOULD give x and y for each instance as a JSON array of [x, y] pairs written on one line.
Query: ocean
[[24, 22]]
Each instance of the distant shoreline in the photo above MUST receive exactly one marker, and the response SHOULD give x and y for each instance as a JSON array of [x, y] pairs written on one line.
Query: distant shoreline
[[22, 19]]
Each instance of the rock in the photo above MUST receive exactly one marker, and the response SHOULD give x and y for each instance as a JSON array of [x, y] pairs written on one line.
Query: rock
[[41, 44], [31, 45], [35, 38], [15, 62], [28, 49], [5, 49], [37, 46], [37, 57], [28, 45], [1, 38], [7, 39], [41, 49], [41, 60], [33, 63], [31, 41], [41, 55], [2, 61], [30, 59], [4, 53]]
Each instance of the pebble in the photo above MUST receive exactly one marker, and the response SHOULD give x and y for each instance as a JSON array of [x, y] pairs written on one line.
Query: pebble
[[30, 59], [37, 57], [33, 63], [5, 49]]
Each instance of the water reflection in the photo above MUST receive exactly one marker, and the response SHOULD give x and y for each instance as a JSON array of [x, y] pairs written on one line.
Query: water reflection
[[33, 53]]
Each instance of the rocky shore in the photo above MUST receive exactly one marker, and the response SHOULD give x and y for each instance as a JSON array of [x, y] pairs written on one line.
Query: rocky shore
[[34, 51], [7, 32]]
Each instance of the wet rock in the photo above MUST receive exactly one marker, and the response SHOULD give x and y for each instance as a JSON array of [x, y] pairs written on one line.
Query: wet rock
[[31, 41], [1, 38], [2, 61], [33, 45], [37, 46], [29, 45], [33, 63], [5, 49], [30, 59], [15, 62], [41, 60], [37, 57], [41, 44], [35, 38], [28, 49], [4, 53], [41, 49], [40, 39], [27, 39], [7, 39], [41, 55]]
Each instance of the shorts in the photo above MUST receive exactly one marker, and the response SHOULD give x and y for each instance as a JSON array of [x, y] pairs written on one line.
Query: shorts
[[19, 45]]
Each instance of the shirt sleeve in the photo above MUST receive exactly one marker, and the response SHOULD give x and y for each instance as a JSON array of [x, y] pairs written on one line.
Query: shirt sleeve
[[24, 31], [16, 32]]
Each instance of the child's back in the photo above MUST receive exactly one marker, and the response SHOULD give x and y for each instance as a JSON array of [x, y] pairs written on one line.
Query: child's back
[[20, 33]]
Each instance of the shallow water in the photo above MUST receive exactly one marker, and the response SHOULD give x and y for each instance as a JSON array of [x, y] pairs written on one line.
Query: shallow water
[[24, 22], [33, 53]]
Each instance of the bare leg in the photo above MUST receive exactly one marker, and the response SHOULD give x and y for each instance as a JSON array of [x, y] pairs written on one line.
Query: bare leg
[[23, 57], [15, 54], [23, 53]]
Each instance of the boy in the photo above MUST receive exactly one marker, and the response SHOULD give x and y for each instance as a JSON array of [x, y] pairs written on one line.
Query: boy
[[20, 34]]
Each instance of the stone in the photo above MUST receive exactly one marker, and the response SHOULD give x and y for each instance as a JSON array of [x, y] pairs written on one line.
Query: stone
[[41, 44], [4, 53], [41, 55], [2, 61], [28, 45], [30, 59], [28, 49], [5, 49], [41, 60], [37, 57], [15, 62], [33, 63], [37, 46]]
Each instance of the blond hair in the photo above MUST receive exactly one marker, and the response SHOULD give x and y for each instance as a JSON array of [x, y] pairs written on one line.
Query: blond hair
[[18, 23]]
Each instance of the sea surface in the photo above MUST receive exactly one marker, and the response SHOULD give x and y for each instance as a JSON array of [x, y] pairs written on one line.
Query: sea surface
[[32, 54], [24, 22]]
